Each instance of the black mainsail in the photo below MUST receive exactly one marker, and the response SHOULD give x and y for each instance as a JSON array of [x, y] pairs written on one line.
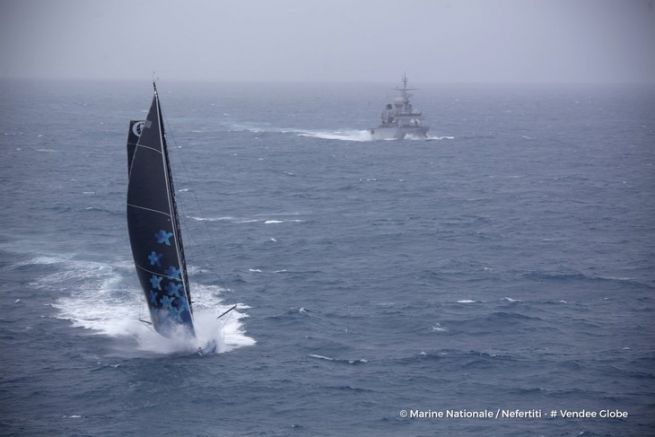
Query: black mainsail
[[154, 226]]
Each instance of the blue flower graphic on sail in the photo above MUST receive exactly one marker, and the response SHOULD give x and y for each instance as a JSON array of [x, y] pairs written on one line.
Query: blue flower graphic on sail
[[153, 297], [174, 289], [155, 281], [155, 258], [176, 309], [164, 237], [182, 312], [167, 302], [173, 272]]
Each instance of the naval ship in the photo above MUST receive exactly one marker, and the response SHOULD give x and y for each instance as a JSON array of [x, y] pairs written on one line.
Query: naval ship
[[399, 120]]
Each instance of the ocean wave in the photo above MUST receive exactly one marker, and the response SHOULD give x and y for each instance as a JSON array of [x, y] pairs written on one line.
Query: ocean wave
[[242, 220], [505, 316], [41, 260], [272, 222], [338, 360], [463, 358], [436, 138], [579, 276], [103, 210], [292, 313], [101, 298], [211, 219]]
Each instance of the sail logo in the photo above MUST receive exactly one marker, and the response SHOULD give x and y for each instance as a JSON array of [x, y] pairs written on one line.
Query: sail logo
[[137, 128]]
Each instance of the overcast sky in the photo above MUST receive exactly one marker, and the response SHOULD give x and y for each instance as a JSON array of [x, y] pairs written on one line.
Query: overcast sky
[[331, 40]]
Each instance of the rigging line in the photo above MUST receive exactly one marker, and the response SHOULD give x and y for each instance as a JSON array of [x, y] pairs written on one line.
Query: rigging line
[[181, 161]]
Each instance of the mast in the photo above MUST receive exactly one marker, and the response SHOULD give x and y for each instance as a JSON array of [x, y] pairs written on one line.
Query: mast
[[404, 91]]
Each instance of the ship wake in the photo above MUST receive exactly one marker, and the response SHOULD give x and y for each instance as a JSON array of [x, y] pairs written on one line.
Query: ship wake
[[355, 135]]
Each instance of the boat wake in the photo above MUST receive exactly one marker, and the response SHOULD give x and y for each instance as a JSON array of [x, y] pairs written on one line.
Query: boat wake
[[356, 135], [342, 135], [105, 299]]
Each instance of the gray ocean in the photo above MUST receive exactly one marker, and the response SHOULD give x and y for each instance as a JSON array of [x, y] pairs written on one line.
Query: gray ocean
[[505, 263]]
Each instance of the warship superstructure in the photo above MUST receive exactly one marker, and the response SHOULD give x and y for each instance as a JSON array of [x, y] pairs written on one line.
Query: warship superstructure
[[399, 119]]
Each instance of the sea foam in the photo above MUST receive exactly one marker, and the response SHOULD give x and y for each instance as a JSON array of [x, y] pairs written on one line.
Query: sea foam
[[101, 298]]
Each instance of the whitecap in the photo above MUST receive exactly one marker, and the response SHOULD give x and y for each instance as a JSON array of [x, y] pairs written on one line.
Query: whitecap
[[212, 219], [272, 222], [321, 357], [105, 299], [42, 260], [230, 219]]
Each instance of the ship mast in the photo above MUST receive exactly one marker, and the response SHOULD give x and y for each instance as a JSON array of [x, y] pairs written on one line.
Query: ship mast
[[404, 91]]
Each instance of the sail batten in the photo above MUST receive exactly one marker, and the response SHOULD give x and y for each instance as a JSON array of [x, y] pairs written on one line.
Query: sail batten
[[155, 273], [154, 228], [148, 147], [148, 209]]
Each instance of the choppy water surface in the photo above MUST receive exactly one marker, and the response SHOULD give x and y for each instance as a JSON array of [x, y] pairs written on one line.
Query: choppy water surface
[[506, 262]]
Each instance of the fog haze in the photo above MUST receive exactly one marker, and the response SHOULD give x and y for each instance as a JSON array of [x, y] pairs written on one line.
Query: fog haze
[[332, 40]]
